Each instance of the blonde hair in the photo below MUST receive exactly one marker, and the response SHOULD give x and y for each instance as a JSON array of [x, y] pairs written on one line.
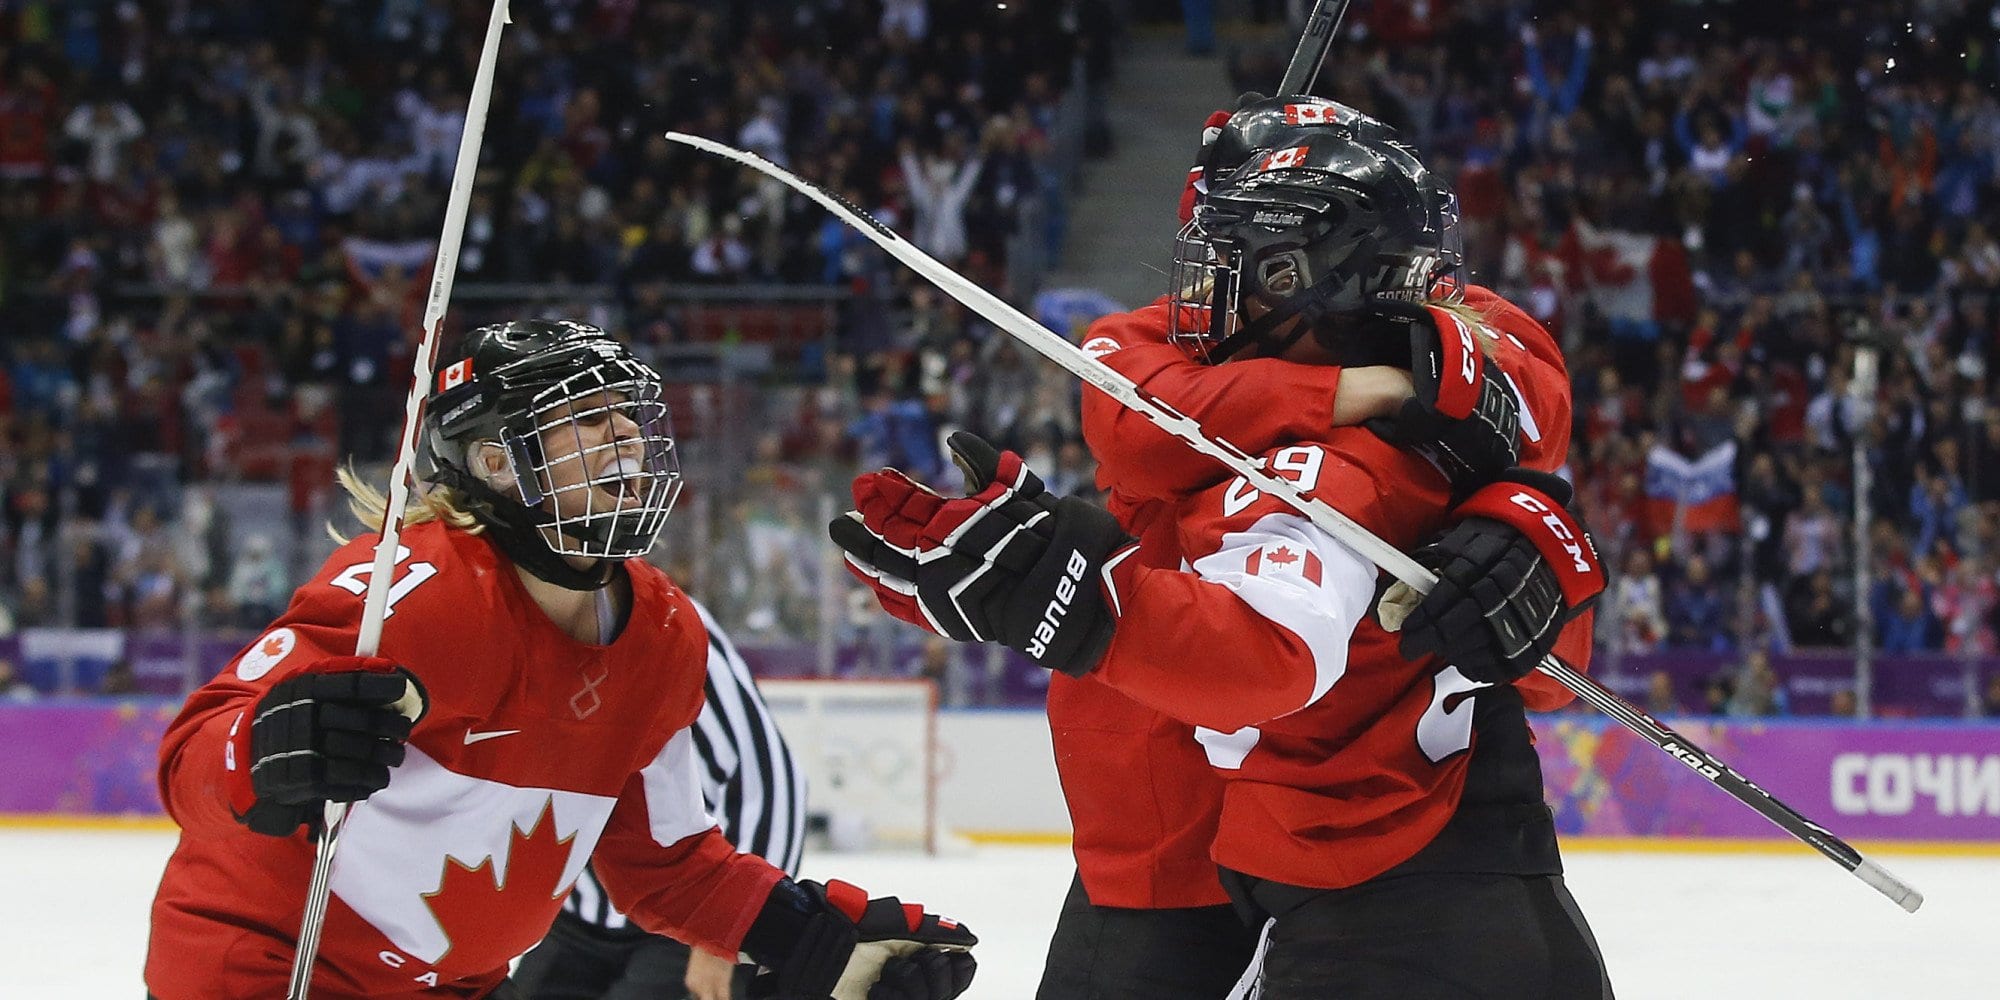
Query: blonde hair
[[1471, 316], [433, 503]]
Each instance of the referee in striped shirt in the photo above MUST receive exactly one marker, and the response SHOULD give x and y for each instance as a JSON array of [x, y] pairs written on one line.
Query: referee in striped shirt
[[755, 791]]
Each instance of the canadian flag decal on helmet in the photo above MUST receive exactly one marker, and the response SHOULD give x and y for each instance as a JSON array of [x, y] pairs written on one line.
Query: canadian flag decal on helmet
[[1285, 158], [455, 375], [1311, 114]]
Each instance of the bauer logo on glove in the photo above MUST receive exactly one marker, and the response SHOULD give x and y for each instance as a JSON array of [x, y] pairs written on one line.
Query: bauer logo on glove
[[1008, 562], [1066, 588]]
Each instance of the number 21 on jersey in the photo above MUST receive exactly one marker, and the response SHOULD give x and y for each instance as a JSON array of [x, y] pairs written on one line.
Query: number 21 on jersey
[[354, 579]]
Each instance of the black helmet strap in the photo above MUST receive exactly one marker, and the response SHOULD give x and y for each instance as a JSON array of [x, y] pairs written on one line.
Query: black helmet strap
[[1314, 305], [529, 552], [517, 530], [1255, 331]]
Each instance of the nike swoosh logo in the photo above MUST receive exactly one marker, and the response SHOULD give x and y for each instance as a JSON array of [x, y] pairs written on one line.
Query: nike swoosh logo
[[472, 737]]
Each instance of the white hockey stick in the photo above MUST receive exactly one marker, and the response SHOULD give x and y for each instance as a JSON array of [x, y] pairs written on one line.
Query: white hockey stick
[[1056, 348], [381, 575]]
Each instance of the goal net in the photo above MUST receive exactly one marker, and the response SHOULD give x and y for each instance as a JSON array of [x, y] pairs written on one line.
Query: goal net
[[869, 750]]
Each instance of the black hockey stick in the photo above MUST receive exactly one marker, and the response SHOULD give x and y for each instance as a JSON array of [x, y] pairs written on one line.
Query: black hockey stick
[[1056, 348], [1321, 25]]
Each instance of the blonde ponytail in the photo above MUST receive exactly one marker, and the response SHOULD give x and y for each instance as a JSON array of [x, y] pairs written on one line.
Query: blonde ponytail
[[370, 506], [1469, 315]]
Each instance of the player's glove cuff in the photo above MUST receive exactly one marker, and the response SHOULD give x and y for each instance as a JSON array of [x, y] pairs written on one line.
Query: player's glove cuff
[[1062, 619], [1537, 505], [1464, 411], [1197, 175]]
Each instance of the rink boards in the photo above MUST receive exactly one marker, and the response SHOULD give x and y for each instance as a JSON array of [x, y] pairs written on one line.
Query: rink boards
[[92, 762]]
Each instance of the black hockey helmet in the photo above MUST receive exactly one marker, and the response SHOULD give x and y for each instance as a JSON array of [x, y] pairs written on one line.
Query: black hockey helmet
[[1316, 226], [511, 424]]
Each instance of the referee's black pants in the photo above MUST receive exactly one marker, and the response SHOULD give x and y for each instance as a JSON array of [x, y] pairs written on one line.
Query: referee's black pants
[[1113, 953], [580, 962], [1425, 936]]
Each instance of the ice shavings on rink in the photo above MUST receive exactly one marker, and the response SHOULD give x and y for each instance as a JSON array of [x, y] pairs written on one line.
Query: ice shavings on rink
[[1673, 926]]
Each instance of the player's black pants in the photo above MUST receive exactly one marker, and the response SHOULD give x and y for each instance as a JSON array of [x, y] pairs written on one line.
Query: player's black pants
[[579, 962], [1111, 953], [1426, 936]]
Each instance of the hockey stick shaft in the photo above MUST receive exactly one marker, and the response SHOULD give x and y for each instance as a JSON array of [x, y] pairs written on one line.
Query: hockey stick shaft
[[1056, 348], [380, 578], [1321, 25]]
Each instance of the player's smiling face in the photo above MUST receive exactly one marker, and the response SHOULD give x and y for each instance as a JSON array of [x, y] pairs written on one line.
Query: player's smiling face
[[596, 456]]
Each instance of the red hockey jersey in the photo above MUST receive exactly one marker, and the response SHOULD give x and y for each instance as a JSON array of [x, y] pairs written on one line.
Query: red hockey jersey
[[1143, 801], [1341, 759], [538, 753]]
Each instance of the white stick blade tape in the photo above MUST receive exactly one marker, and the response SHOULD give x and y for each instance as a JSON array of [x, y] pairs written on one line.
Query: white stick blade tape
[[1903, 893]]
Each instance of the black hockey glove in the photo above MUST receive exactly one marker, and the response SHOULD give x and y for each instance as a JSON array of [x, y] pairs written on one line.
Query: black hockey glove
[[1465, 413], [818, 941], [329, 734], [1009, 563], [1513, 568]]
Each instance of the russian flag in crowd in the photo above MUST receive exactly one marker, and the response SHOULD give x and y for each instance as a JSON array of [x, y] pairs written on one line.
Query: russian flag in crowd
[[1693, 496]]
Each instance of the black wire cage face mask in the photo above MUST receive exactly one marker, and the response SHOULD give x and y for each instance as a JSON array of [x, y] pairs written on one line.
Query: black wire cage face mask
[[1277, 246], [1216, 269], [1203, 292], [597, 460]]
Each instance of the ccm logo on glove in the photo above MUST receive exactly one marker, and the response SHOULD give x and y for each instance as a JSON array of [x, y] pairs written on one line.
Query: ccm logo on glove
[[1468, 355], [1045, 630], [1557, 527], [1465, 414]]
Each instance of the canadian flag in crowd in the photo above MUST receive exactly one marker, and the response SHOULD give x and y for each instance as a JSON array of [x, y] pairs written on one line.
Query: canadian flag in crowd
[[1285, 158], [1630, 276]]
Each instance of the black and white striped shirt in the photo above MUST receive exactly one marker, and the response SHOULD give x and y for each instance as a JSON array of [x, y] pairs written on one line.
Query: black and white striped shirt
[[750, 780]]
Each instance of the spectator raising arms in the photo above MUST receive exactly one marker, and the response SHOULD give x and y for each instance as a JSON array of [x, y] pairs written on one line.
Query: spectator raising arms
[[215, 254]]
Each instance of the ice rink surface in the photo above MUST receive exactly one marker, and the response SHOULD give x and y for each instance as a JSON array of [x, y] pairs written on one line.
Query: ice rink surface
[[1674, 926]]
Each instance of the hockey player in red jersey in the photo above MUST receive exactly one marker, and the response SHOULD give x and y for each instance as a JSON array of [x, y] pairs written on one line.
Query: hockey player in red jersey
[[1147, 915], [1346, 762], [1142, 798], [552, 676]]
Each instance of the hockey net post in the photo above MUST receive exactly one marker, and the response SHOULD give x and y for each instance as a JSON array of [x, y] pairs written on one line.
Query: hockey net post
[[869, 749]]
